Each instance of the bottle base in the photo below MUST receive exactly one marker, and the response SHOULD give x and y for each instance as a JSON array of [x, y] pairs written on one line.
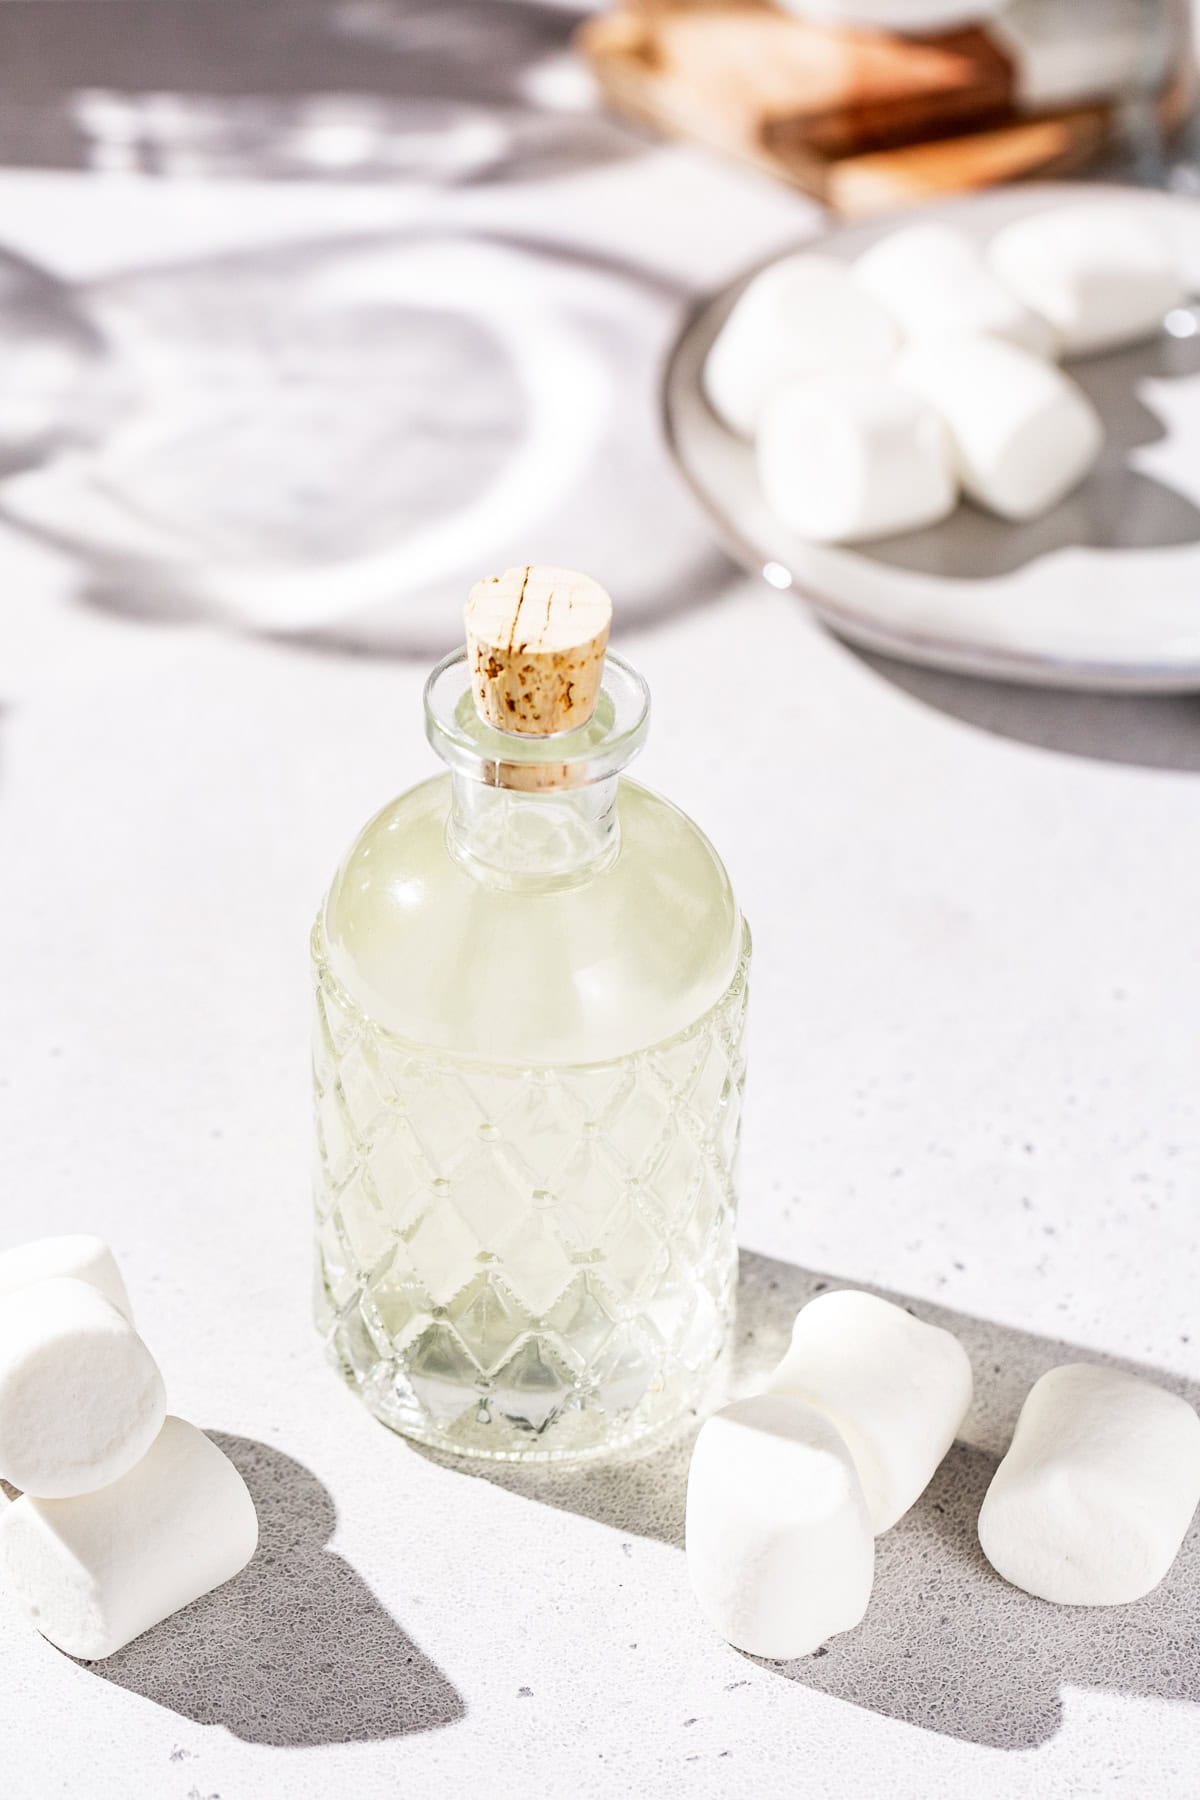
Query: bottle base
[[482, 1432]]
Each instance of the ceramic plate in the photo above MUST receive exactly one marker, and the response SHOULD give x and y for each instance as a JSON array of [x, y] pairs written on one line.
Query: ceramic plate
[[1103, 592]]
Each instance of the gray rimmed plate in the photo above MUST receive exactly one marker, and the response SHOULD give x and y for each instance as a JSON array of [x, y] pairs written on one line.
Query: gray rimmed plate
[[1101, 593]]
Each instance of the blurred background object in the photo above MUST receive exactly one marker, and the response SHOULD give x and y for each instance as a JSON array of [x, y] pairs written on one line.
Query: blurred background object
[[325, 306], [313, 310], [869, 104], [254, 474], [439, 90]]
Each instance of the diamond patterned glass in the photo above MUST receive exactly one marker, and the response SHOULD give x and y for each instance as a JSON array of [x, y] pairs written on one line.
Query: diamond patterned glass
[[525, 1263]]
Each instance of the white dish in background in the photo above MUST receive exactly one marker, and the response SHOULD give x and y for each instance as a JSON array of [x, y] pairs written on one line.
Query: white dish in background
[[895, 15], [1103, 592]]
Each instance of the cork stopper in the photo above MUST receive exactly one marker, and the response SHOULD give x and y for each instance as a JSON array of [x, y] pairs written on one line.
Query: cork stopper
[[536, 638]]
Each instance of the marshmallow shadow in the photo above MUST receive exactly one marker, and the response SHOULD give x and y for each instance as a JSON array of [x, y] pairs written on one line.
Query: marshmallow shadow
[[296, 1650], [946, 1644]]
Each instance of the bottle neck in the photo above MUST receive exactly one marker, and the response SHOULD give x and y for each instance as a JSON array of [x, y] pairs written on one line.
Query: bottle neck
[[530, 813], [535, 842]]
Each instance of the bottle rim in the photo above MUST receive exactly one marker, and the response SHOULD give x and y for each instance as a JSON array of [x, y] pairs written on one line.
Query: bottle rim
[[590, 753]]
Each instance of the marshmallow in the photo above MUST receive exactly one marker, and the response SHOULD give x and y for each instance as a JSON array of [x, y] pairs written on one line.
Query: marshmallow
[[94, 1572], [779, 1545], [81, 1397], [935, 282], [83, 1258], [1023, 434], [896, 1389], [843, 458], [801, 316], [1098, 272], [1091, 1503]]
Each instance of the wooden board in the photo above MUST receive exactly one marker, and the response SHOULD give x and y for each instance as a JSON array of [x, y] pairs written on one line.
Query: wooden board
[[861, 185], [861, 120]]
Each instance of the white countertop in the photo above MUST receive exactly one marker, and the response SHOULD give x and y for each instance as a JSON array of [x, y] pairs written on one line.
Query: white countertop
[[972, 1084]]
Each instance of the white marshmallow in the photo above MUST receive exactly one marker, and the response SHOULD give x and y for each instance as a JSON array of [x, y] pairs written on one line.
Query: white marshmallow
[[779, 1545], [1091, 1503], [896, 1388], [81, 1397], [82, 1257], [936, 283], [844, 458], [94, 1572], [1023, 433], [1098, 272], [801, 316]]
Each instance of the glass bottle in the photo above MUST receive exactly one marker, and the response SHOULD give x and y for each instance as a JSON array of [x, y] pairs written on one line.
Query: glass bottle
[[530, 1000]]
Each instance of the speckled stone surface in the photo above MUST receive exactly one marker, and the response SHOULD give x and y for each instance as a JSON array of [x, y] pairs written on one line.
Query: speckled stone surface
[[976, 988], [972, 1086]]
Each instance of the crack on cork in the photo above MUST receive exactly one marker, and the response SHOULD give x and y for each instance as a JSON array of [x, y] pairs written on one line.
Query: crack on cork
[[512, 630]]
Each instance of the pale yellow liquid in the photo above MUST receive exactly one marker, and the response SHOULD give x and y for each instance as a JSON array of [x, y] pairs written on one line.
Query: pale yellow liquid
[[528, 1109], [627, 959]]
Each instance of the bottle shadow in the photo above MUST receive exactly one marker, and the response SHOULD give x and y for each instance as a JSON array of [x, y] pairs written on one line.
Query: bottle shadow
[[946, 1644], [296, 1650]]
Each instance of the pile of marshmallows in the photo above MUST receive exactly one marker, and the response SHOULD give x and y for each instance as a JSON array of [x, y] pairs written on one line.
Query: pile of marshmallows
[[875, 391], [789, 1489], [125, 1514]]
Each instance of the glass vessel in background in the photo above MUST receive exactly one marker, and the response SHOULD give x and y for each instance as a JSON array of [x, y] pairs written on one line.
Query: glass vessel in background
[[530, 1000]]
